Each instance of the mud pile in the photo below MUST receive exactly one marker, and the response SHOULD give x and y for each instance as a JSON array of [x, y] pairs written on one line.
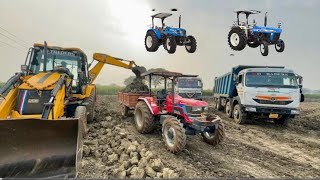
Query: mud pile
[[137, 85], [110, 151]]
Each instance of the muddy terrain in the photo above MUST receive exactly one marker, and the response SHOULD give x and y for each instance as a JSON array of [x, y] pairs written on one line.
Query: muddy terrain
[[113, 148]]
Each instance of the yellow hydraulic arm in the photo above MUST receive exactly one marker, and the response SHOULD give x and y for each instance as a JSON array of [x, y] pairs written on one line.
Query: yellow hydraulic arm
[[107, 59]]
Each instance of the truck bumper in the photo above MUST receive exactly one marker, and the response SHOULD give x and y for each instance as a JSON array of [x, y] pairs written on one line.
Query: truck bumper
[[269, 110]]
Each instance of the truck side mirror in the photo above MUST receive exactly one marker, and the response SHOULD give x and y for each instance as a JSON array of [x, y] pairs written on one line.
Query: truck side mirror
[[302, 98]]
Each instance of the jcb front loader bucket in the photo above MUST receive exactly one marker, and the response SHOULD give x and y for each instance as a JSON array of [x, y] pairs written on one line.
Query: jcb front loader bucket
[[34, 148]]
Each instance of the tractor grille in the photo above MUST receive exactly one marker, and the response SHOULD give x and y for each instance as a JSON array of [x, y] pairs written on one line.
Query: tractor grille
[[190, 95], [260, 101], [273, 39], [31, 101]]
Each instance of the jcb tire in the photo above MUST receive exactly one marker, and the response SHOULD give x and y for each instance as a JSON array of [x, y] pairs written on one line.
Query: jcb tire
[[124, 111], [143, 118], [239, 116], [192, 46], [174, 135], [216, 137], [283, 121], [229, 111], [170, 44], [91, 106], [151, 41], [81, 113], [264, 48], [280, 46], [237, 39]]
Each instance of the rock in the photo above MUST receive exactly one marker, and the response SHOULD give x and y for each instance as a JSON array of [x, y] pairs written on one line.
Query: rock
[[150, 172], [168, 173], [97, 154], [121, 174], [126, 164], [90, 142], [113, 158], [105, 124], [132, 154], [143, 152], [103, 140], [124, 157], [123, 133], [143, 162], [148, 155], [134, 160], [117, 138], [120, 149], [108, 118], [137, 172], [131, 148], [159, 175], [157, 165], [135, 143], [86, 151]]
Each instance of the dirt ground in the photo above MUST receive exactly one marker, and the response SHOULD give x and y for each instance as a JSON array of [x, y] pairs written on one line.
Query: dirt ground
[[259, 149]]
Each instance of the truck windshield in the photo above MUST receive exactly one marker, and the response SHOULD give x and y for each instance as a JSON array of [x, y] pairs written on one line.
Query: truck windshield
[[189, 83], [271, 79]]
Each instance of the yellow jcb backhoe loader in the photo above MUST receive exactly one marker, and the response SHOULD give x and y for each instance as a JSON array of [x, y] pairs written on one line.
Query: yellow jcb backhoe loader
[[45, 110]]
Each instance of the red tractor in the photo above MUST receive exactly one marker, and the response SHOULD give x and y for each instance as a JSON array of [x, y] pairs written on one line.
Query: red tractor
[[179, 116]]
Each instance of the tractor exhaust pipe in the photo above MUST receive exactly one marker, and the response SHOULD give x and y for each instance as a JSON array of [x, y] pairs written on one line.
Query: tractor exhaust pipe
[[180, 21], [265, 19]]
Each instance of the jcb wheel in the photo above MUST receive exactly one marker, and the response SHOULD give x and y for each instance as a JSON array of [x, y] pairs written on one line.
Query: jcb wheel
[[91, 106], [192, 45], [216, 136], [170, 44], [143, 118], [151, 41], [80, 113], [173, 135], [237, 39]]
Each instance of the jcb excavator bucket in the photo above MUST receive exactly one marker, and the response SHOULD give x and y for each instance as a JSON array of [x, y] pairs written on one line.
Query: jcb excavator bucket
[[34, 148], [138, 70]]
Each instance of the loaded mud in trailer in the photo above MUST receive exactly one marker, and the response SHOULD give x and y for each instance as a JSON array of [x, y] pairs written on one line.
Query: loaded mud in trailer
[[259, 92]]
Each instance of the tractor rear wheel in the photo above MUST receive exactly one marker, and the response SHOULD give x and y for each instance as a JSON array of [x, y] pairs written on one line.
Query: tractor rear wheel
[[192, 45], [216, 137], [174, 135], [264, 49], [81, 113], [143, 118], [91, 106], [151, 41], [239, 116], [237, 39], [279, 46], [170, 44]]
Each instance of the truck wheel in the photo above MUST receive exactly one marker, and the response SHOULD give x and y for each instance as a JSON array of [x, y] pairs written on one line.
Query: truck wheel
[[279, 46], [237, 39], [192, 45], [218, 105], [151, 41], [283, 121], [170, 44], [124, 111], [91, 106], [143, 118], [229, 110], [238, 115], [173, 135], [264, 49], [216, 137], [80, 113]]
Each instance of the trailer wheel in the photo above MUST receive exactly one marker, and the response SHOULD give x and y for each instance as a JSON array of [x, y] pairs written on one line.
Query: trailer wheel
[[238, 115], [91, 106], [216, 136], [124, 111], [283, 121], [174, 135], [143, 118], [229, 110], [81, 113]]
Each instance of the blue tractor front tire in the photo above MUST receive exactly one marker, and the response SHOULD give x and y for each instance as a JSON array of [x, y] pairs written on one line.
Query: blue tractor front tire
[[151, 41], [192, 45], [279, 46]]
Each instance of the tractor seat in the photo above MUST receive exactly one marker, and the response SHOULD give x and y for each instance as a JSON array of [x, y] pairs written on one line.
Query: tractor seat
[[161, 96]]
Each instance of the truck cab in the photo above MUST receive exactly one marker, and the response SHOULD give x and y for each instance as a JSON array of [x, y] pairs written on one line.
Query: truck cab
[[189, 87]]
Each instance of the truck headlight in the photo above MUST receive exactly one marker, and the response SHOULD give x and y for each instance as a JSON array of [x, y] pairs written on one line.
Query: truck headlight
[[295, 112], [195, 108], [251, 109]]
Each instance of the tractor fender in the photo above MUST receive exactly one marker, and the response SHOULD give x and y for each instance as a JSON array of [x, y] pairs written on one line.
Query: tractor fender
[[157, 32], [152, 105]]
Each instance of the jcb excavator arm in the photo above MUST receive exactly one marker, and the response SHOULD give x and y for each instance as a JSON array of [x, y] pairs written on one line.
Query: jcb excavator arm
[[107, 59]]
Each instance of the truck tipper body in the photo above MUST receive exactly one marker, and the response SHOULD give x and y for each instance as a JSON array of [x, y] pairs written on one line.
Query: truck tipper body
[[251, 92]]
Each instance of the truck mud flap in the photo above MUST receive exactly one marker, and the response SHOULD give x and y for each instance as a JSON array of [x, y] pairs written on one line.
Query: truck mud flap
[[35, 148]]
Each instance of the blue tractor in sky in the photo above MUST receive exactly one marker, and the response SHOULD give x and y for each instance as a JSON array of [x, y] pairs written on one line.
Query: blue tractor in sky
[[167, 36], [243, 33]]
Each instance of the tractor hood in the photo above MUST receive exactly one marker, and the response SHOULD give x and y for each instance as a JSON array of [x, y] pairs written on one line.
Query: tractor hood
[[188, 102], [264, 29], [176, 30], [42, 81]]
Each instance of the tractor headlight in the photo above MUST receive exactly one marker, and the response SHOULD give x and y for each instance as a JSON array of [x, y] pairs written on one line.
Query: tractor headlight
[[196, 108]]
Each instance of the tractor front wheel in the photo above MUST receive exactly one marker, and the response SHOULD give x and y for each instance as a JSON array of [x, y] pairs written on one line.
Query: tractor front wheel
[[143, 118], [216, 135], [264, 49], [174, 135], [81, 113], [279, 46], [237, 39], [151, 41], [170, 44], [191, 46]]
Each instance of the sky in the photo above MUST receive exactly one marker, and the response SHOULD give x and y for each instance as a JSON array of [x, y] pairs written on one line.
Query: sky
[[118, 28]]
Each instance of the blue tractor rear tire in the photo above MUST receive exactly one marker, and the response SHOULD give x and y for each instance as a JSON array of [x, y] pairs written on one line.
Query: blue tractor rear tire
[[192, 46], [151, 41], [237, 39]]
